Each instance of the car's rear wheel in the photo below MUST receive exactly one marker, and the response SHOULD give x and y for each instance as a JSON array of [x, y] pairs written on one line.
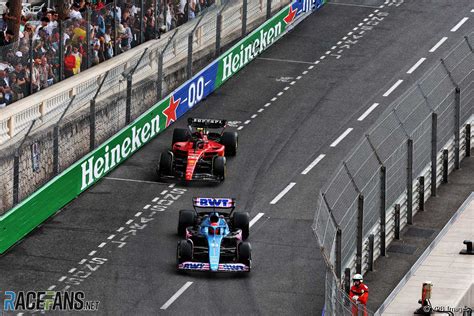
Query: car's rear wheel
[[186, 218], [184, 251], [230, 141], [166, 164], [244, 253], [241, 221], [181, 135], [219, 167]]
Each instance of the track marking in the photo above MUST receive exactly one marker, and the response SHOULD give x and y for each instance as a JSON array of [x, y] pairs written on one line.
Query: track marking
[[72, 270], [286, 60], [102, 245], [460, 23], [286, 88], [329, 52], [322, 57], [366, 113], [267, 105], [415, 66], [310, 67], [314, 163], [305, 72], [260, 110], [280, 93], [254, 116], [146, 207], [352, 5], [246, 122], [120, 229], [157, 198], [441, 41], [392, 88], [50, 288], [92, 253], [176, 295], [240, 128], [292, 83], [131, 180], [340, 138], [129, 222], [172, 185], [255, 219], [273, 99], [62, 278], [298, 78], [282, 193], [82, 261], [111, 237]]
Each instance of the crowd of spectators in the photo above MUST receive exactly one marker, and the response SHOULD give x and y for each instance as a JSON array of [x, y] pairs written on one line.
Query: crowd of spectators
[[36, 59]]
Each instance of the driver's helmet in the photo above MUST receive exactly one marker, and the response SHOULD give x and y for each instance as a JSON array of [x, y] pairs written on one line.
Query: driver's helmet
[[200, 131], [214, 219]]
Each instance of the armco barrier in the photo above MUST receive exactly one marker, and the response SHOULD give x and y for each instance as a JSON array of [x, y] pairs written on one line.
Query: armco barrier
[[62, 189]]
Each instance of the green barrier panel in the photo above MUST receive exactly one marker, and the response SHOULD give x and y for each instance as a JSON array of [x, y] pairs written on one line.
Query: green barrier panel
[[62, 189]]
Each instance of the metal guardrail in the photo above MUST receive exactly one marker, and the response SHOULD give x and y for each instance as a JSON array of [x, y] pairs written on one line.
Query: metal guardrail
[[47, 105], [385, 180]]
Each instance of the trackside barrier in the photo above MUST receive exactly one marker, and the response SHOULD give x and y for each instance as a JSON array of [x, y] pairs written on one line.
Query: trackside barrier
[[43, 203]]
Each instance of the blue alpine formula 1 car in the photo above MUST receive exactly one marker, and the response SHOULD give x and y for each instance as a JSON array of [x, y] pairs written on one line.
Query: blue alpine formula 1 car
[[214, 237]]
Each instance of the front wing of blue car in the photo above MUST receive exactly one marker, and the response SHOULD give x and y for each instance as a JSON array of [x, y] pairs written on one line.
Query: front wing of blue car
[[223, 267]]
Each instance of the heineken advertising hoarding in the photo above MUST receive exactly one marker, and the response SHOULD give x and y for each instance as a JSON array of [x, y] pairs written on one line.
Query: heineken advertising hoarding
[[43, 203]]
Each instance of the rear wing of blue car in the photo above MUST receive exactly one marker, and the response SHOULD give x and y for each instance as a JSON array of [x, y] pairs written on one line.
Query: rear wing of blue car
[[206, 202]]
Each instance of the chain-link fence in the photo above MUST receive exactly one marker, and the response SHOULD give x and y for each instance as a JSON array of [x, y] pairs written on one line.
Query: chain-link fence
[[389, 174], [71, 124]]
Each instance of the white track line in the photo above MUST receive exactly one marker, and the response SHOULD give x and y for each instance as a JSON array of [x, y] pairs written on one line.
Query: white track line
[[366, 113], [254, 116], [240, 128], [314, 163], [392, 88], [415, 66], [176, 295], [441, 41], [131, 180], [260, 110], [102, 245], [255, 219], [340, 138], [246, 122], [460, 23], [282, 193]]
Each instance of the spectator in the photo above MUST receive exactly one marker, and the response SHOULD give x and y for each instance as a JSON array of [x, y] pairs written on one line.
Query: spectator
[[78, 55], [6, 37], [69, 62], [5, 90]]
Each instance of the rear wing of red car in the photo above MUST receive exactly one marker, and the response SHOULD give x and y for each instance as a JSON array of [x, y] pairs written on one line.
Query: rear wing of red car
[[206, 123]]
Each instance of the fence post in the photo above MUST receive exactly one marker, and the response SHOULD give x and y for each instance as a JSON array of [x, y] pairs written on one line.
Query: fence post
[[92, 111], [421, 193], [468, 140], [338, 252], [142, 18], [347, 280], [88, 39], [269, 9], [457, 126], [383, 201], [16, 176], [434, 153], [128, 106], [218, 34], [114, 27], [410, 181], [445, 165], [360, 225], [61, 50], [32, 65], [371, 252], [397, 221], [56, 139], [189, 72], [159, 84], [244, 17]]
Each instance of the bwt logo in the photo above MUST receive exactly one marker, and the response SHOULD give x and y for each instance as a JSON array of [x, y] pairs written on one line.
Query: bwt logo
[[207, 202], [193, 266], [232, 267]]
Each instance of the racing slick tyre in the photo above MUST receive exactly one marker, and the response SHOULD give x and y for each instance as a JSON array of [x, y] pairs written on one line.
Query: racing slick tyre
[[181, 135], [218, 167], [230, 141], [241, 221], [244, 253], [186, 218], [166, 164], [185, 251]]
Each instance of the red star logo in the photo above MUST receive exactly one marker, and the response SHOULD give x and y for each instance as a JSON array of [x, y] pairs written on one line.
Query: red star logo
[[170, 111], [291, 15]]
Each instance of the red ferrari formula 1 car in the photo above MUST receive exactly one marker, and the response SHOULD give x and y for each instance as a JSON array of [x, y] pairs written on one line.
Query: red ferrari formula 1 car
[[198, 153]]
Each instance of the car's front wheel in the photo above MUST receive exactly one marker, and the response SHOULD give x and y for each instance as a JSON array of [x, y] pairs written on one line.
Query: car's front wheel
[[219, 167], [166, 164], [184, 251], [241, 221], [244, 253]]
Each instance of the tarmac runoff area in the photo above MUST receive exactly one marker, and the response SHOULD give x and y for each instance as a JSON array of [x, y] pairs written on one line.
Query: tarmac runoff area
[[451, 273]]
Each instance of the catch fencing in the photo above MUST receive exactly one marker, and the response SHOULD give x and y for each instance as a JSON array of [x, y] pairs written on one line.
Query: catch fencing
[[386, 179]]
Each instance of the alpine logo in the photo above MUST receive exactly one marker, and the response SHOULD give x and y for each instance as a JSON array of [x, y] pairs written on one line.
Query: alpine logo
[[214, 202]]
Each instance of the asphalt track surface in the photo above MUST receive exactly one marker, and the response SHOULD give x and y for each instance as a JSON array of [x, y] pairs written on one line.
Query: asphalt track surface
[[133, 272]]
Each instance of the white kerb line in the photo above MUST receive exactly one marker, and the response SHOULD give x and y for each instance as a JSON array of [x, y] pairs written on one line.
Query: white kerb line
[[313, 164], [441, 41], [460, 23], [282, 193], [176, 295], [415, 66], [255, 219], [340, 138], [366, 113], [389, 91]]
